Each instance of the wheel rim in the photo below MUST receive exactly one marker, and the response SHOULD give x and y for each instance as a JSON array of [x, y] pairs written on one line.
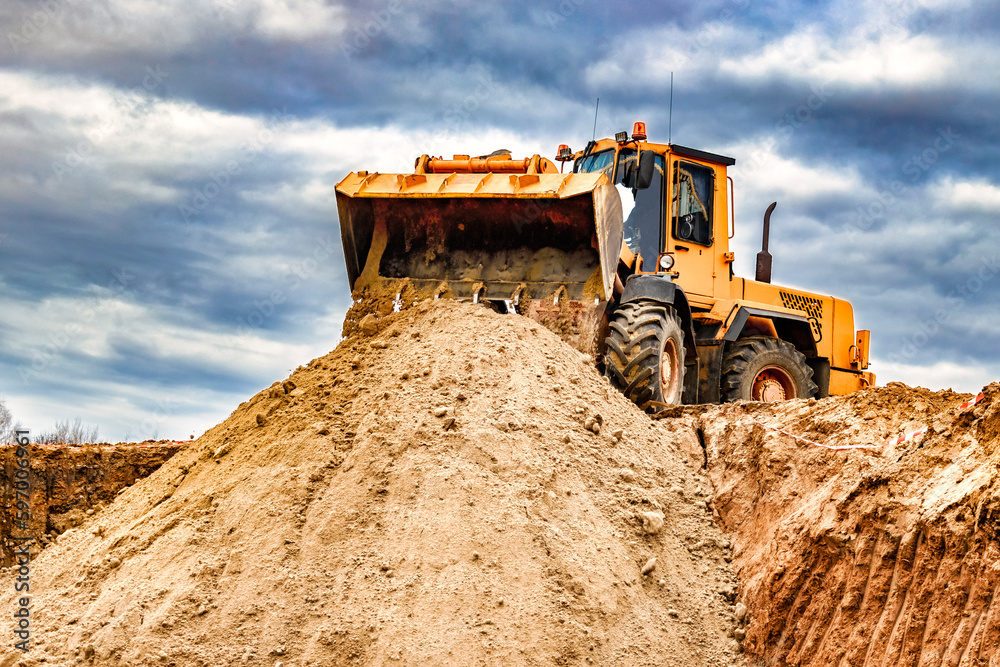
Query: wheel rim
[[772, 384], [669, 370]]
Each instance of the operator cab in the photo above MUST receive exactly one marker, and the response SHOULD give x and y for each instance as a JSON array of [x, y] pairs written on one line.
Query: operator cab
[[674, 204]]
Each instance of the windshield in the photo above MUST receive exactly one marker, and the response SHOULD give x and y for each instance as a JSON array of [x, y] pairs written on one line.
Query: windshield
[[603, 161], [641, 209]]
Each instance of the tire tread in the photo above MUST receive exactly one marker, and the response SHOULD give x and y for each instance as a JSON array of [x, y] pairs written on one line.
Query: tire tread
[[742, 353], [634, 337]]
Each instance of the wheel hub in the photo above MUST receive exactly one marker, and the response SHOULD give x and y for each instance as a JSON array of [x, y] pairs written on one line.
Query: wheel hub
[[769, 391], [669, 371], [772, 384]]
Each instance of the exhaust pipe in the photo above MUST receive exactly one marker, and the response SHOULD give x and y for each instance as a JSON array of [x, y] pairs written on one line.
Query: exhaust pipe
[[764, 257]]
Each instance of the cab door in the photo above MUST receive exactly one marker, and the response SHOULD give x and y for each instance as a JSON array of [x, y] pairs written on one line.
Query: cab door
[[690, 225]]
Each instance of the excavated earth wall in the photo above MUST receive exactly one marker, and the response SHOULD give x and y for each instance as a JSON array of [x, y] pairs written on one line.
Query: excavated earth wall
[[886, 556], [67, 481]]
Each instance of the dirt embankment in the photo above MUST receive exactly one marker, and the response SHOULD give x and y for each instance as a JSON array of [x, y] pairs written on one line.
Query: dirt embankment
[[462, 488], [455, 487], [887, 556], [66, 481]]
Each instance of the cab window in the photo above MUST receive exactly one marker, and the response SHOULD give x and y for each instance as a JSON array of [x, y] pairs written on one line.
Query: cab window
[[643, 209], [603, 162], [694, 191]]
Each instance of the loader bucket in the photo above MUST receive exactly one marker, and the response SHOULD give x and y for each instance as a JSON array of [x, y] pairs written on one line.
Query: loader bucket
[[546, 245]]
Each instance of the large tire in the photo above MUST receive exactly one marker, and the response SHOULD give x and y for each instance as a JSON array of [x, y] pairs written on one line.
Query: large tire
[[765, 369], [645, 353]]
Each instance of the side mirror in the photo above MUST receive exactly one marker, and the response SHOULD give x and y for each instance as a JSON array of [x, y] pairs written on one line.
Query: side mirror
[[644, 176], [628, 175]]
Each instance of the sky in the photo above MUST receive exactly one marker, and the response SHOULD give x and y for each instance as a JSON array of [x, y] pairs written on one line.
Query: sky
[[169, 240]]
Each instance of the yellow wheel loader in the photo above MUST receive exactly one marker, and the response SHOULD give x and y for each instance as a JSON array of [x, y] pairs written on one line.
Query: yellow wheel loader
[[626, 257]]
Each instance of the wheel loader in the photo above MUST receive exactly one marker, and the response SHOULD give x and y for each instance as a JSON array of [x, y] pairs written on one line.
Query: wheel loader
[[625, 256]]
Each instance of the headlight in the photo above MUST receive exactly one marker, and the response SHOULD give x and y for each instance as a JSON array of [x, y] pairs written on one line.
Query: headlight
[[666, 262]]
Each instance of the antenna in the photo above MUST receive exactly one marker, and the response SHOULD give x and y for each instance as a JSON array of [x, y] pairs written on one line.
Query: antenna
[[670, 121], [595, 118]]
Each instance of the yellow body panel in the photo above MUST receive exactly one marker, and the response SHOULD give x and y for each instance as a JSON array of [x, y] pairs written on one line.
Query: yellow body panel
[[847, 382], [831, 319]]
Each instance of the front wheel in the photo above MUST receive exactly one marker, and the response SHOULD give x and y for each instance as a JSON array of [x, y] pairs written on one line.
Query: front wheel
[[766, 370], [645, 355]]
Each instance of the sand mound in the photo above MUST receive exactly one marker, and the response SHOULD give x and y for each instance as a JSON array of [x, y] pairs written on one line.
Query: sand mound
[[460, 489], [864, 557], [455, 487]]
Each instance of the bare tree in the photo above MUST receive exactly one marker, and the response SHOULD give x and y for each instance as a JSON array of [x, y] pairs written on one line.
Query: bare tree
[[70, 434], [8, 427]]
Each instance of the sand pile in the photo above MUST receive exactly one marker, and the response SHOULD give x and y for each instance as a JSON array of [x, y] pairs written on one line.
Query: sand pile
[[874, 557], [456, 487], [460, 488]]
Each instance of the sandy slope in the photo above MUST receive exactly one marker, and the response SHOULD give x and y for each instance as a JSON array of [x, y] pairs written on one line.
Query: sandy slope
[[436, 494], [457, 487]]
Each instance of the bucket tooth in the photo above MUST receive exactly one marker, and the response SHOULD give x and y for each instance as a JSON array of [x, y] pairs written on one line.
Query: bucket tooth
[[516, 296], [478, 290]]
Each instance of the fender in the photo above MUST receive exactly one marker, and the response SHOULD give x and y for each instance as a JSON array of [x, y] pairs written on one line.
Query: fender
[[792, 328], [661, 289]]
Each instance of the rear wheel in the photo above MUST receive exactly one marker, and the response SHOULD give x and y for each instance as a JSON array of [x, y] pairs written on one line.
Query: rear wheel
[[766, 370], [645, 355]]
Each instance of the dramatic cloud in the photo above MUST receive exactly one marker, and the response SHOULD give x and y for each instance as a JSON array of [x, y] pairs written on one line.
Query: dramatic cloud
[[168, 228]]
